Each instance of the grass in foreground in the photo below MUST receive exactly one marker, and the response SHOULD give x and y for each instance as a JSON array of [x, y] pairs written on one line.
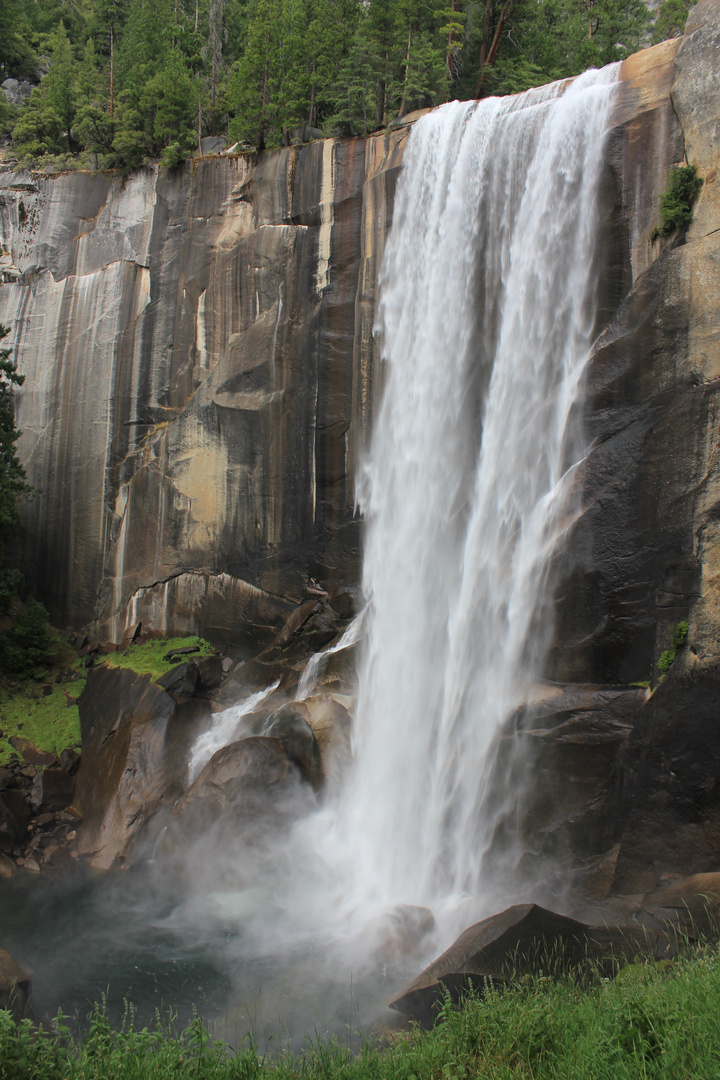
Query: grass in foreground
[[648, 1022], [148, 658]]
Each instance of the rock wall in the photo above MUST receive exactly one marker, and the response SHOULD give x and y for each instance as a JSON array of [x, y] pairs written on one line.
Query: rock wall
[[198, 353], [201, 373]]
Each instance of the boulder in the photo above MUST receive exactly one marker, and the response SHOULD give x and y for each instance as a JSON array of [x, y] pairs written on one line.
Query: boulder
[[332, 726], [14, 817], [134, 760], [52, 789], [31, 753], [181, 680], [14, 986], [290, 725], [246, 785], [573, 732], [524, 939], [210, 671]]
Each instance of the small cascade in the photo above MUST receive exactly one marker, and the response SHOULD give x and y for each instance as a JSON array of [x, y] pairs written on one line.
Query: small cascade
[[313, 668], [227, 726]]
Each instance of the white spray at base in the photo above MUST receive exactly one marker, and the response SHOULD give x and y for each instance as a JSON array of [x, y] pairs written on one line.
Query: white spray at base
[[487, 311]]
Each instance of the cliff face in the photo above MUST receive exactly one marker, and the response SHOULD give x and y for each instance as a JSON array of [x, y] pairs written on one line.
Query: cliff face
[[201, 373], [198, 351]]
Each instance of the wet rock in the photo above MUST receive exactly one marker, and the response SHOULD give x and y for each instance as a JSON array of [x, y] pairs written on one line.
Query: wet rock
[[669, 796], [408, 927], [52, 789], [31, 753], [210, 672], [524, 939], [129, 768], [69, 761], [7, 779], [14, 986], [14, 818], [290, 725], [181, 680], [244, 785], [332, 727], [186, 650], [7, 867], [575, 733]]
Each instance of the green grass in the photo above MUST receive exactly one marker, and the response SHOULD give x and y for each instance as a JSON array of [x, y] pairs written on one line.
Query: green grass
[[148, 658], [652, 1021], [52, 723]]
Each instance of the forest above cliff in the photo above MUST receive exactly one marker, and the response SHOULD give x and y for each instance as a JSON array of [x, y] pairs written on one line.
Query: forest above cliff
[[117, 83]]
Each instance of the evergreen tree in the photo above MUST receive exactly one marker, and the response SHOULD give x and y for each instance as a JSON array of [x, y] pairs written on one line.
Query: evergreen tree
[[45, 125]]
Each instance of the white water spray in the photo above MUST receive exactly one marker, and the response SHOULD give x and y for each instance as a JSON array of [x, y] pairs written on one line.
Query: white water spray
[[227, 727], [487, 313]]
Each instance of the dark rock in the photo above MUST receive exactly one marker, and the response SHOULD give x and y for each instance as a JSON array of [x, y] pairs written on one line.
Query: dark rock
[[181, 680], [525, 939], [69, 761], [129, 769], [290, 725], [14, 818], [186, 650], [7, 779], [296, 620], [14, 986], [572, 732], [245, 785], [7, 867], [53, 789], [210, 672], [669, 787], [332, 727], [31, 753]]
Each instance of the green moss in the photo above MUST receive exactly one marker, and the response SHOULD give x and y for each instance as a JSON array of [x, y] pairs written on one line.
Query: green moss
[[667, 658], [644, 684], [148, 658], [678, 199], [52, 723]]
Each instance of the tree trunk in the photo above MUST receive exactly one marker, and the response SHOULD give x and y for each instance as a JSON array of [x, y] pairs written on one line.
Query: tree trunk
[[407, 73], [112, 64], [495, 42]]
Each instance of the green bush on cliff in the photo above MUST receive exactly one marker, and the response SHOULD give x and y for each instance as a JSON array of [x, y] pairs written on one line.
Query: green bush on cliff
[[667, 658], [148, 658], [678, 200]]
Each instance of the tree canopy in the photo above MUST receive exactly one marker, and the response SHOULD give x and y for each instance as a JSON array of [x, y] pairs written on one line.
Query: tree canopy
[[123, 82]]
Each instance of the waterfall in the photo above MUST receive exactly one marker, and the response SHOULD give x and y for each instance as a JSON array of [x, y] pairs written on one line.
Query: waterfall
[[487, 312]]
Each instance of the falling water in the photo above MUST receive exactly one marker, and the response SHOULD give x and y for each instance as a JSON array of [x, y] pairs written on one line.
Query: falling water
[[316, 663], [486, 318]]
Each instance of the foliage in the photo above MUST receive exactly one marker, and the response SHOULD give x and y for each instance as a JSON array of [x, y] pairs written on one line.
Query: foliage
[[661, 1022], [148, 658], [671, 19], [27, 648], [128, 82], [667, 658], [678, 200], [12, 475]]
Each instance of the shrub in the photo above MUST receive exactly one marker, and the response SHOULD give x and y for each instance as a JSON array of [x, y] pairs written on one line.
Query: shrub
[[678, 640], [678, 199], [27, 649]]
